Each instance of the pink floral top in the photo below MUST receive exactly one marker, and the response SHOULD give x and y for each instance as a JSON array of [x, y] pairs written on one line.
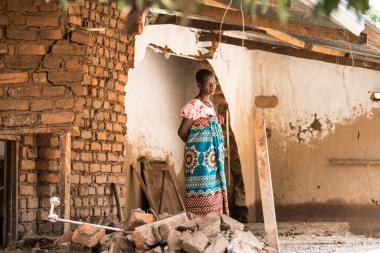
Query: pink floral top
[[195, 109]]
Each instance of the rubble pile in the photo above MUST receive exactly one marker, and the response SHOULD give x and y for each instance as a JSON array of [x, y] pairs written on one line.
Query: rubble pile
[[214, 233]]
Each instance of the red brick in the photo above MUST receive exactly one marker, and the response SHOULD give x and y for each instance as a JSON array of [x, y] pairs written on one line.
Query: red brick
[[31, 91], [95, 146], [73, 64], [57, 118], [14, 105], [86, 157], [28, 140], [117, 147], [66, 103], [94, 167], [102, 135], [3, 48], [47, 165], [117, 128], [31, 49], [69, 49], [20, 120], [49, 178], [32, 203], [31, 178], [28, 165], [53, 91], [49, 153], [65, 76], [106, 147], [75, 20], [78, 166], [86, 134], [85, 179], [105, 168], [46, 190], [137, 218], [116, 168], [82, 38], [52, 61], [78, 144], [15, 77], [27, 216], [102, 157], [111, 157], [39, 77], [20, 34], [101, 179], [42, 21], [27, 190], [41, 105], [55, 34], [119, 138]]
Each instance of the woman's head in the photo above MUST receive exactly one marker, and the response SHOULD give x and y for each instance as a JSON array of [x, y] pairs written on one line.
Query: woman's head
[[206, 81]]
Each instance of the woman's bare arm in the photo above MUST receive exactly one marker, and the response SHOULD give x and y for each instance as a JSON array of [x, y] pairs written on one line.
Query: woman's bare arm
[[183, 130]]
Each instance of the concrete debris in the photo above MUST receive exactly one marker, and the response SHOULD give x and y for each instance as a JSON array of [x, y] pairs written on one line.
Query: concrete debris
[[138, 217], [214, 233], [88, 235]]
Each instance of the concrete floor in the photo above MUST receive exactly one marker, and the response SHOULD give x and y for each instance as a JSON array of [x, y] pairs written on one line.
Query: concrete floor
[[320, 237]]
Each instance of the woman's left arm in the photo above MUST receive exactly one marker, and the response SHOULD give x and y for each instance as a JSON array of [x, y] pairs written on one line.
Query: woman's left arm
[[184, 129]]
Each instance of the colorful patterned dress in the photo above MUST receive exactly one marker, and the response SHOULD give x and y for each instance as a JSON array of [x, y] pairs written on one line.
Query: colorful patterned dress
[[205, 183]]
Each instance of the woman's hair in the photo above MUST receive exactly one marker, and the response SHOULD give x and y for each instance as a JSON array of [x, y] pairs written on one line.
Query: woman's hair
[[203, 75]]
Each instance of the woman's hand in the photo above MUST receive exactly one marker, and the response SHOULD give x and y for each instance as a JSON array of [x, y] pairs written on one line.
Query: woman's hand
[[183, 130], [221, 119]]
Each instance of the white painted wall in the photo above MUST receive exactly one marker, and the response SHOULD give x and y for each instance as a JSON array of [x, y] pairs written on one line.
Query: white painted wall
[[156, 91]]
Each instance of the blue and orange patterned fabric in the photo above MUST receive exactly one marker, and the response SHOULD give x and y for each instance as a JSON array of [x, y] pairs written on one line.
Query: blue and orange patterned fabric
[[205, 182]]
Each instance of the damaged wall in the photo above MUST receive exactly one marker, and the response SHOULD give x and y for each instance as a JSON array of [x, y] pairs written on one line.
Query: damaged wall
[[157, 89], [320, 115]]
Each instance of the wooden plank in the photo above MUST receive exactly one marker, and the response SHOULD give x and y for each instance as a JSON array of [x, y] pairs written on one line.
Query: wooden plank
[[36, 130], [291, 40], [297, 23], [65, 149], [372, 36], [15, 177], [145, 190], [287, 50], [265, 181], [355, 162], [160, 185], [117, 201], [10, 137], [172, 175]]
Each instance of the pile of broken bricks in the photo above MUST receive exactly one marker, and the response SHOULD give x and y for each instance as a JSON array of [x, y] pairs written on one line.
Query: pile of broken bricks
[[214, 233]]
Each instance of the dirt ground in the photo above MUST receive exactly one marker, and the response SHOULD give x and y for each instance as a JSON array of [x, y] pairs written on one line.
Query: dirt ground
[[318, 237]]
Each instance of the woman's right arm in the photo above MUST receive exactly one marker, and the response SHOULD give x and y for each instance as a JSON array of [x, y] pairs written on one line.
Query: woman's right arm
[[184, 129]]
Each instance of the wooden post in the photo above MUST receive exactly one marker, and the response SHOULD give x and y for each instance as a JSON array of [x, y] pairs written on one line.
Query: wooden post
[[65, 177], [265, 180]]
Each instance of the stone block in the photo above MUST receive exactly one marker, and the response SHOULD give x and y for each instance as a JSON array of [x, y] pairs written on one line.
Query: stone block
[[196, 243]]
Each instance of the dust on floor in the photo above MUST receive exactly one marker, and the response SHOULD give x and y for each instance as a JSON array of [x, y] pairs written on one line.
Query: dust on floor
[[320, 237]]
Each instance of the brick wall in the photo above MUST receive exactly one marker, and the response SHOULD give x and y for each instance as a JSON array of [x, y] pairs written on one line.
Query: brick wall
[[56, 73]]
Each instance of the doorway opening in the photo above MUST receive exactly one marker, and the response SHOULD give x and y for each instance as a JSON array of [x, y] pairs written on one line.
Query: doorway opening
[[8, 192]]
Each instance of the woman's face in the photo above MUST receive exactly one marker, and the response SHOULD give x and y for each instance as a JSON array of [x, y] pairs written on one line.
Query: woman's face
[[208, 87]]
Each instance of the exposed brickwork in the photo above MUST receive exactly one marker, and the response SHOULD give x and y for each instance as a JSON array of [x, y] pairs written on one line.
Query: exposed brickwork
[[98, 146], [54, 76]]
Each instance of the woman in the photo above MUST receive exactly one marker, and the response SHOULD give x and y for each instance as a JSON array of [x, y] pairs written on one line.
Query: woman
[[205, 183]]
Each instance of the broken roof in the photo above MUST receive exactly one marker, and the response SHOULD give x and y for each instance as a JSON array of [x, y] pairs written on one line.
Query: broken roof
[[302, 36]]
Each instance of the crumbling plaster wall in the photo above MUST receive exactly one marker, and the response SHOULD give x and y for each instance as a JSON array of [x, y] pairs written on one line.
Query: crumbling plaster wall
[[324, 112], [156, 91]]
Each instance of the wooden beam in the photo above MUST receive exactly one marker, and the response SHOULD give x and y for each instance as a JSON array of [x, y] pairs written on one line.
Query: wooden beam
[[36, 130], [372, 36], [287, 50], [65, 165], [265, 181], [120, 214], [291, 40], [297, 23]]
